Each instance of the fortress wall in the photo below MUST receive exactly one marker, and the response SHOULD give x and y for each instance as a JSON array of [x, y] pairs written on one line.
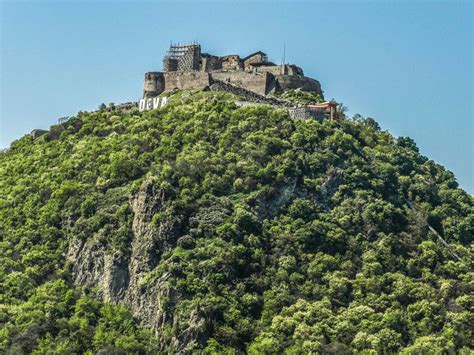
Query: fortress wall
[[287, 69], [186, 80], [256, 58], [210, 63], [154, 84], [272, 69], [258, 83], [263, 80], [247, 94], [288, 82], [232, 62]]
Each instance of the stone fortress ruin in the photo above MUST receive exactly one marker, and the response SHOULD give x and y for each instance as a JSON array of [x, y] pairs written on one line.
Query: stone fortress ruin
[[253, 78], [186, 67]]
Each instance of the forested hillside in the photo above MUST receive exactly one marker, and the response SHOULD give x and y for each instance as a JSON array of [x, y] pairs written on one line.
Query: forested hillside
[[207, 227]]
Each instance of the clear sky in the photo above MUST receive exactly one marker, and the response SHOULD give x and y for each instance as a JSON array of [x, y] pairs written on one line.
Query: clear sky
[[408, 64]]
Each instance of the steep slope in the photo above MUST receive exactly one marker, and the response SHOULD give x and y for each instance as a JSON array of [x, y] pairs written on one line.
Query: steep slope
[[204, 225]]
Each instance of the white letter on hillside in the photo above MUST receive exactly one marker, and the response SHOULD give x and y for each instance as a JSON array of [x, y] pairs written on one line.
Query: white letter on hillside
[[156, 102], [149, 104], [164, 101], [141, 105]]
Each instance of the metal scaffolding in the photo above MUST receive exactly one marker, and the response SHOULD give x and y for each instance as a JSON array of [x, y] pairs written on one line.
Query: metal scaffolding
[[184, 57]]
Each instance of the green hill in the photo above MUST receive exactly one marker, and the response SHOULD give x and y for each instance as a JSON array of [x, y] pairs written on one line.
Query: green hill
[[204, 226]]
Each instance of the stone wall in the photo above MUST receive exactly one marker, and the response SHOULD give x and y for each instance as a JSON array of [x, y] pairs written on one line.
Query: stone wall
[[232, 62], [272, 69], [170, 64], [186, 80], [259, 83], [210, 63], [263, 79], [287, 69], [255, 58], [305, 113], [248, 95]]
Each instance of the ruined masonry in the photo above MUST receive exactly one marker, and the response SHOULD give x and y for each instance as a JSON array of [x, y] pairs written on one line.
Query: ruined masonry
[[186, 67], [253, 77]]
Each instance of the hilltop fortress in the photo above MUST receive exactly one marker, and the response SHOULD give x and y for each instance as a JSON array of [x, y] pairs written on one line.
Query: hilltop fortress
[[186, 67], [253, 79]]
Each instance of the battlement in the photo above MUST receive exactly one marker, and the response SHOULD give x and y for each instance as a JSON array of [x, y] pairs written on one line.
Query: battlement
[[186, 67]]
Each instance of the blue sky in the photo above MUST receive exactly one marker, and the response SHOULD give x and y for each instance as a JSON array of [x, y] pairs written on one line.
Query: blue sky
[[408, 64]]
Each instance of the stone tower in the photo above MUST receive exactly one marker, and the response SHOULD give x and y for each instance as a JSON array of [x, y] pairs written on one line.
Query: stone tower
[[182, 57], [154, 84]]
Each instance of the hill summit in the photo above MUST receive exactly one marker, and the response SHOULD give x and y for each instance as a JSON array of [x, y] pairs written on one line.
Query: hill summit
[[186, 67], [206, 226]]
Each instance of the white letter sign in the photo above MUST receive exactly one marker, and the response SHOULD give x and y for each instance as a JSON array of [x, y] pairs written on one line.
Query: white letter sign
[[152, 103]]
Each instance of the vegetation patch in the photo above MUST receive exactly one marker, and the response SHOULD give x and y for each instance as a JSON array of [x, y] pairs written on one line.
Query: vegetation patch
[[256, 233]]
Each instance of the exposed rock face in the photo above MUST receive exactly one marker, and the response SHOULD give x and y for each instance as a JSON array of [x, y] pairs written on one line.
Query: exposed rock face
[[36, 133], [133, 280], [288, 82], [93, 267], [118, 277], [148, 240]]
